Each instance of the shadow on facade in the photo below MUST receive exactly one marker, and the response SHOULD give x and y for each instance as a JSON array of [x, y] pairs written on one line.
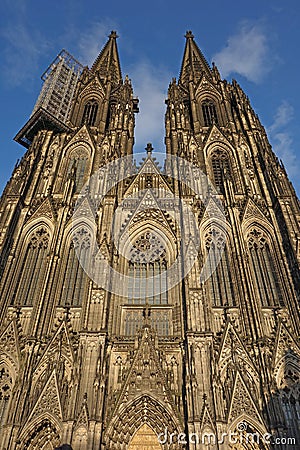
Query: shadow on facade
[[284, 406], [64, 447]]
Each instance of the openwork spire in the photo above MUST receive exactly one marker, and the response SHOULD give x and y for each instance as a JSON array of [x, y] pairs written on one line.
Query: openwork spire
[[194, 64], [107, 64]]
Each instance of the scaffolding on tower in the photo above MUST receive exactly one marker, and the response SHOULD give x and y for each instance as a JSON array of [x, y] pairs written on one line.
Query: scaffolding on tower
[[60, 81], [54, 103]]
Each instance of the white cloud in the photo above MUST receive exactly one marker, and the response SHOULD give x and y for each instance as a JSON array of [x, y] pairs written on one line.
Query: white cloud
[[22, 52], [91, 42], [281, 138], [149, 84], [246, 53], [283, 115], [283, 148]]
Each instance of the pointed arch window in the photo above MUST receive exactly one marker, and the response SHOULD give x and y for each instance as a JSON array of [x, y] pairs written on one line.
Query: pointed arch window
[[221, 166], [220, 282], [81, 438], [90, 113], [147, 271], [77, 165], [289, 395], [209, 112], [159, 320], [264, 269], [75, 280], [30, 280], [147, 285]]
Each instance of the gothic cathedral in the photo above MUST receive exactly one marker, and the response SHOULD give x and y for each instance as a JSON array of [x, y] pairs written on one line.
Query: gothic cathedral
[[161, 310]]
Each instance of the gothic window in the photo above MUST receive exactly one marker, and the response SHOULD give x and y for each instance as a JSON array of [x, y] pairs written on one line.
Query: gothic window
[[133, 322], [209, 113], [147, 286], [6, 384], [90, 113], [289, 394], [147, 271], [220, 282], [75, 280], [81, 438], [264, 269], [77, 165], [221, 166], [159, 320], [30, 280]]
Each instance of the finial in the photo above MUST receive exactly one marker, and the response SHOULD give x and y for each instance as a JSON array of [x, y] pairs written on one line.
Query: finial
[[113, 35], [189, 35], [149, 149]]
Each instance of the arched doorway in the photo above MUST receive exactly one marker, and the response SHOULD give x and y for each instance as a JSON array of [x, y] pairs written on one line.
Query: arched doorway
[[144, 439]]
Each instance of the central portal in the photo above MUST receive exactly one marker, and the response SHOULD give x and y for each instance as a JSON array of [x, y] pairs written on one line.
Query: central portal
[[145, 439]]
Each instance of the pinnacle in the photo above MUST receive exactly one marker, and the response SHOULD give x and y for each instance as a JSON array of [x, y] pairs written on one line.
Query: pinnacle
[[194, 64], [189, 35], [149, 149], [107, 63], [113, 35]]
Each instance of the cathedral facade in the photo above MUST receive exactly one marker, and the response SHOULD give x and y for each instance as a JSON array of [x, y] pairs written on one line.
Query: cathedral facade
[[148, 308]]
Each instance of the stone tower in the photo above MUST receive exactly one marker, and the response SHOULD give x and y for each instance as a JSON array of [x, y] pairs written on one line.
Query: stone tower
[[151, 308]]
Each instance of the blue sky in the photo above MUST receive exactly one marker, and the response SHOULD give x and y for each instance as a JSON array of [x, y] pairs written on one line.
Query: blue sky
[[257, 43]]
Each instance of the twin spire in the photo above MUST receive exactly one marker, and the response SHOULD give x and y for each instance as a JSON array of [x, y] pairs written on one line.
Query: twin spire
[[194, 64]]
